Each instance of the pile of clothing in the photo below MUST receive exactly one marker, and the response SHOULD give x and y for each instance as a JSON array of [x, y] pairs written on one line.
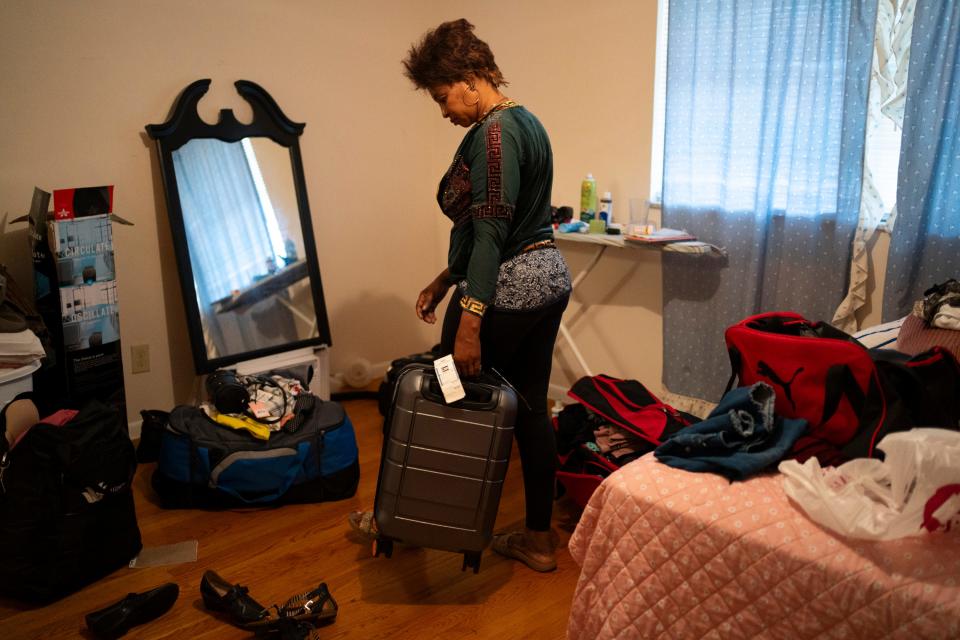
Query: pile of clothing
[[617, 421], [19, 348], [940, 306], [583, 437], [21, 351], [934, 321], [612, 423], [741, 437], [270, 403]]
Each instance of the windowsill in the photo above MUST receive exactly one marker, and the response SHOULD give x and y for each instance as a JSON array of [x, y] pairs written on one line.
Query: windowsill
[[883, 227]]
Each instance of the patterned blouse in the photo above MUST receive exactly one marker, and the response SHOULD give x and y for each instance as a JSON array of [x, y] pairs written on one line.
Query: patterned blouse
[[497, 194]]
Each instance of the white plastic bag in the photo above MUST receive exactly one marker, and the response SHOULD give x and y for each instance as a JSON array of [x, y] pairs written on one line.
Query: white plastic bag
[[914, 489]]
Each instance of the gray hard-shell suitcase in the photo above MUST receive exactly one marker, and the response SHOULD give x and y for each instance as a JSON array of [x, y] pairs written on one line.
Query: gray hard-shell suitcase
[[443, 465]]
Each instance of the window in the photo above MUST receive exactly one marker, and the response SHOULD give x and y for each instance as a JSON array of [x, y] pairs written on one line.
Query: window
[[659, 105], [883, 154], [883, 141], [269, 215]]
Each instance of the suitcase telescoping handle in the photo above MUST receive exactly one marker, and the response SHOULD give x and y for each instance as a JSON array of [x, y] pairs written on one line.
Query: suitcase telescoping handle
[[480, 396]]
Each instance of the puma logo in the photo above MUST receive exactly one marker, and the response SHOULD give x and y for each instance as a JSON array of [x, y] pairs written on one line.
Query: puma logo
[[767, 371]]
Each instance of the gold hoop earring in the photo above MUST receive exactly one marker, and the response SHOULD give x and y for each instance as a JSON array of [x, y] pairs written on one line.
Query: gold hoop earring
[[472, 104]]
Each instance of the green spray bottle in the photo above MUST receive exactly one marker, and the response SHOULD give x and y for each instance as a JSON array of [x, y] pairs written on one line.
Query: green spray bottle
[[588, 198]]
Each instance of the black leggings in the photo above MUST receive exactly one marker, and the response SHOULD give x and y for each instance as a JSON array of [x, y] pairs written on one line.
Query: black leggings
[[520, 346]]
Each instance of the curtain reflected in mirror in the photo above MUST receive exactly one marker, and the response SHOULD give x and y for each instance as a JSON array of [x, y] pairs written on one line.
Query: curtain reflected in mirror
[[245, 244]]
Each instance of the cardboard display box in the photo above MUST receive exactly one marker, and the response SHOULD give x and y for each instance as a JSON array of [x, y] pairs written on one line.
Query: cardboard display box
[[82, 249], [75, 289], [90, 316]]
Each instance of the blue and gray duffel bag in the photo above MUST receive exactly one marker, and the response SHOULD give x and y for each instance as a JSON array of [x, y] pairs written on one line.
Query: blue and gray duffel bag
[[203, 464]]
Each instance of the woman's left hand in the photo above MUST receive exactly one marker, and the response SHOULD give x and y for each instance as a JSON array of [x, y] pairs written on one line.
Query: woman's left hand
[[466, 348]]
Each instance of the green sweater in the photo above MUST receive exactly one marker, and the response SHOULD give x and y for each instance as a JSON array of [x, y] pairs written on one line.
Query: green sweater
[[497, 193]]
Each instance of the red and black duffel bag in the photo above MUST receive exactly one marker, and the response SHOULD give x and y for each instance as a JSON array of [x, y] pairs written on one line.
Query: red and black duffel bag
[[851, 396], [630, 405], [602, 399]]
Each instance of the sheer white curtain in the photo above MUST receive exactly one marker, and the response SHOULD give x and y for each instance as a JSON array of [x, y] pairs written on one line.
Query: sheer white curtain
[[888, 87]]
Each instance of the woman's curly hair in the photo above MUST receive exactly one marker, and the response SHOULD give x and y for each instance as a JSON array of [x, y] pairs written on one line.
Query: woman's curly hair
[[451, 53]]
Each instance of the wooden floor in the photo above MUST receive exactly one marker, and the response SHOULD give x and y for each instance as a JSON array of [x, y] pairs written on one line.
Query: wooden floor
[[279, 552]]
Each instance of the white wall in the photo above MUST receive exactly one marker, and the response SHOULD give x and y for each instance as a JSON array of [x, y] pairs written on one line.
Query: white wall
[[80, 80]]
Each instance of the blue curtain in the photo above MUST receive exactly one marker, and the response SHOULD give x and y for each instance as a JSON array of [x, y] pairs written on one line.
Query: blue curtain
[[925, 246], [225, 225], [763, 152]]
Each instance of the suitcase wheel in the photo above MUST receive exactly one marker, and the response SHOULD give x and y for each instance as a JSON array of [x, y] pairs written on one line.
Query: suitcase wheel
[[383, 546], [471, 559]]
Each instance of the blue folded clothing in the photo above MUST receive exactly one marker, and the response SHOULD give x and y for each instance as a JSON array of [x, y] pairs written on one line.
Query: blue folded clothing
[[739, 438]]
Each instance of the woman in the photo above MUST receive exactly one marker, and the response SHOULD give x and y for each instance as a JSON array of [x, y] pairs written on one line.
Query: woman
[[511, 284]]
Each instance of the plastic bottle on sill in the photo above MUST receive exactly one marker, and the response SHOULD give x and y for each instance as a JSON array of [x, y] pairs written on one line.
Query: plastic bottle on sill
[[588, 198], [606, 208]]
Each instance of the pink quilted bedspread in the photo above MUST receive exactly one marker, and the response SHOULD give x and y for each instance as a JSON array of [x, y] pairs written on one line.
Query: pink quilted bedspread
[[672, 554]]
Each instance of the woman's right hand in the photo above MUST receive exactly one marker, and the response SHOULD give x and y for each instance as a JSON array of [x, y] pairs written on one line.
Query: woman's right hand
[[430, 297]]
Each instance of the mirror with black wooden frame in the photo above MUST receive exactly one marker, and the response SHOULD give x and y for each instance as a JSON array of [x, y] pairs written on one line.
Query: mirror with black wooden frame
[[237, 203]]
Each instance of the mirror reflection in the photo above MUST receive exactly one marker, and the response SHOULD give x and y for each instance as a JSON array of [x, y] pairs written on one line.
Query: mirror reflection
[[245, 243]]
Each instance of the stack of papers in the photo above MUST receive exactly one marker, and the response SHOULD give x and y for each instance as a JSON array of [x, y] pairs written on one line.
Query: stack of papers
[[660, 237]]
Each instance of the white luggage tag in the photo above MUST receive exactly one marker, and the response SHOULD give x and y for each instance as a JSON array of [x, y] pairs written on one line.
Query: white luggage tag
[[449, 379]]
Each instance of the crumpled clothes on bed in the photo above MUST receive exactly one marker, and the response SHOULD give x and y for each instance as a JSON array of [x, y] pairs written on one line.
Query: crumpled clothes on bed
[[619, 444], [739, 438], [941, 305]]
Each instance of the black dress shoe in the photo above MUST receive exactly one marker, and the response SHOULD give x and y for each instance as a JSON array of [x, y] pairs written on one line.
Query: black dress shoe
[[232, 599], [136, 608]]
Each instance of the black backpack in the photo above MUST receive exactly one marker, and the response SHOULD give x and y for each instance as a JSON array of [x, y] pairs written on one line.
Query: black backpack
[[67, 515]]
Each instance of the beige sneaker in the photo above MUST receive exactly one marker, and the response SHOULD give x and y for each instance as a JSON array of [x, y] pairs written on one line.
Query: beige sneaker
[[364, 524], [536, 549]]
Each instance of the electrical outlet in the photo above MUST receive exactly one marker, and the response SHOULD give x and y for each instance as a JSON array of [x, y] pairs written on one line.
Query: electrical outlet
[[140, 358]]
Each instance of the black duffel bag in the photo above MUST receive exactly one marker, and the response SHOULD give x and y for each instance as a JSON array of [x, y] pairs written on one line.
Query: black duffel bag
[[67, 515]]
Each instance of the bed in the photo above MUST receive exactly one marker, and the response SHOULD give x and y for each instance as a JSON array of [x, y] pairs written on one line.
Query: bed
[[666, 553]]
